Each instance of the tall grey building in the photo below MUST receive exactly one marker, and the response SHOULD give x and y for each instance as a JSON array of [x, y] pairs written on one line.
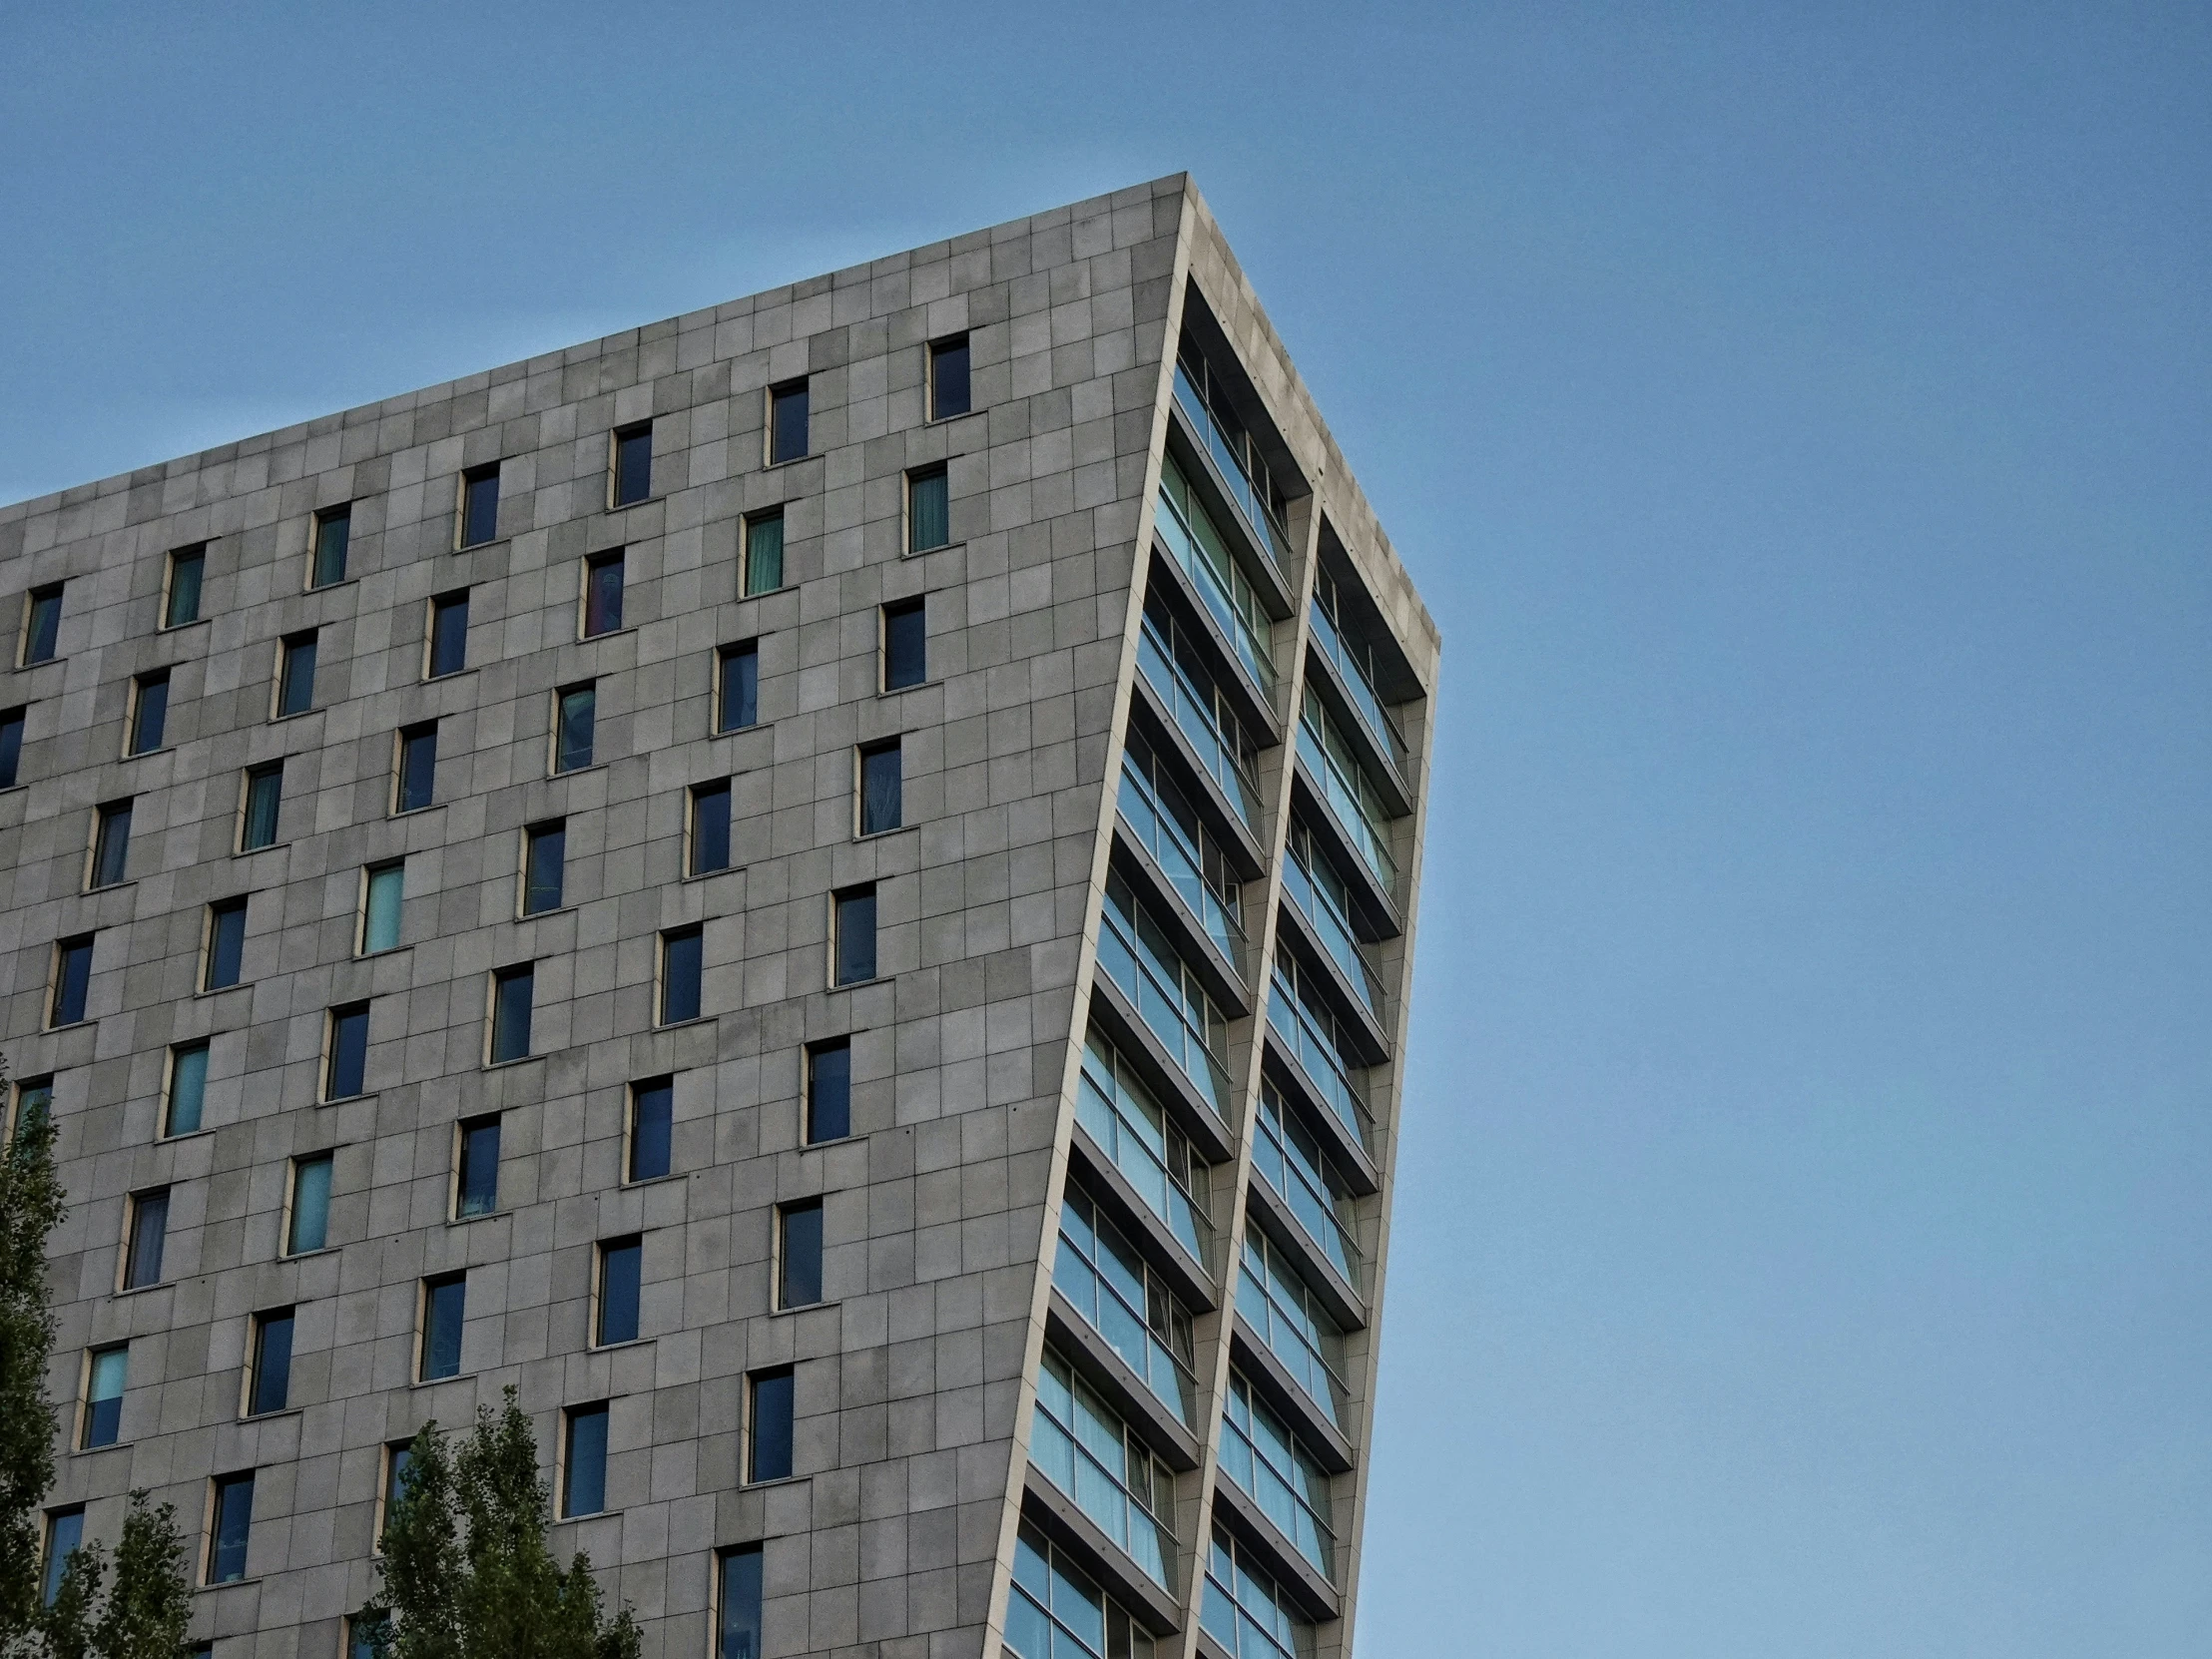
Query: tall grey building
[[825, 886]]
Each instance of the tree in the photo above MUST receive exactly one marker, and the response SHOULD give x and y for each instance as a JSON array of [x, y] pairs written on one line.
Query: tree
[[145, 1615], [466, 1570], [30, 1208]]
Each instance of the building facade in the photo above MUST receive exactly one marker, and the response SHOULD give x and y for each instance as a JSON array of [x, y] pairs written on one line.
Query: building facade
[[825, 886]]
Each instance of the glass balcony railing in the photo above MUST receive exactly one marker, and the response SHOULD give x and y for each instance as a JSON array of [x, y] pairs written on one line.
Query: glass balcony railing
[[1267, 1464], [1198, 547], [1286, 1155], [1161, 818], [1318, 892], [1309, 1031], [1197, 708], [1137, 1135], [1277, 1305], [1079, 1444], [1125, 1302], [1355, 803], [1251, 486], [1139, 955], [1359, 677]]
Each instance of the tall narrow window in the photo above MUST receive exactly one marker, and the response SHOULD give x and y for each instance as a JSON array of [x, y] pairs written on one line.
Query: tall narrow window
[[928, 509], [345, 1066], [737, 696], [738, 1604], [444, 1303], [652, 1128], [479, 504], [799, 1253], [105, 1378], [416, 784], [111, 845], [632, 468], [296, 676], [829, 1091], [769, 1425], [853, 951], [948, 377], [511, 994], [786, 423], [65, 1531], [181, 590], [225, 945], [334, 533], [11, 745], [234, 1522], [148, 712], [270, 1385], [72, 980], [621, 1288], [265, 793], [34, 1097], [383, 888], [576, 715], [308, 1223], [42, 625], [476, 1181], [906, 644], [603, 593], [882, 794], [763, 552], [584, 1461], [188, 1088], [680, 975], [710, 826], [398, 1456], [449, 634], [363, 1638], [146, 1238], [544, 866]]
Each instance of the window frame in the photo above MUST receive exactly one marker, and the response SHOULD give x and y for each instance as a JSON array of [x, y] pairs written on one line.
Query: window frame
[[634, 1094], [252, 775], [289, 1245], [603, 1253], [324, 518], [666, 1004], [937, 350], [533, 835], [467, 1132], [27, 639], [217, 913], [335, 1022], [891, 612], [748, 586], [193, 553], [862, 755], [287, 654], [363, 942], [616, 437], [15, 724], [561, 695], [108, 845], [571, 1416], [695, 799], [617, 560], [134, 730], [204, 1048], [259, 1323], [839, 899], [811, 1081], [494, 1019], [464, 506], [136, 1207], [800, 1208], [442, 604], [428, 1287], [755, 1380], [782, 392], [725, 656], [404, 742], [913, 546], [60, 994], [88, 1404]]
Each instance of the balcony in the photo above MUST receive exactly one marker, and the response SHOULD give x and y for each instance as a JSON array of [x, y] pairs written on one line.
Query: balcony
[[1319, 895], [1311, 1037], [1274, 1302], [1079, 1444], [1143, 1146], [1353, 800], [1105, 1280], [1266, 1462], [1224, 751], [1197, 546], [1356, 671], [1161, 821], [1140, 957], [1244, 472], [1290, 1162]]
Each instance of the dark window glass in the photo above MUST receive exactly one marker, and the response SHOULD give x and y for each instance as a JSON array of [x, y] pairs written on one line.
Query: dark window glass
[[104, 1383], [510, 1012], [763, 553], [142, 1257], [309, 1227], [479, 504], [271, 1364], [739, 1616], [544, 866], [72, 981], [149, 712], [361, 1635], [928, 510], [346, 1071], [881, 792], [572, 740], [710, 828], [738, 704], [444, 1302], [633, 464], [906, 645], [476, 1193], [11, 745], [418, 767], [296, 677], [448, 633], [584, 1462], [111, 844], [799, 1255], [42, 627], [949, 378], [65, 1531], [233, 1519], [621, 1280], [333, 529], [383, 900], [182, 603], [770, 1455], [225, 944], [265, 793], [188, 1088], [680, 972], [652, 1126], [786, 423], [855, 941], [397, 1457], [602, 594], [828, 1092]]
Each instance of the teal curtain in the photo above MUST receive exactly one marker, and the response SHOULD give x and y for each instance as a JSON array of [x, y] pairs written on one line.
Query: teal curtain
[[764, 554]]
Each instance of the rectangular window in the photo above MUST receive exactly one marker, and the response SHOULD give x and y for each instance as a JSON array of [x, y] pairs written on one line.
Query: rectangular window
[[511, 993], [448, 635], [584, 1461], [652, 1128], [880, 790], [72, 980], [769, 1423], [829, 1091], [479, 504], [383, 888], [225, 945], [476, 1176], [361, 1638], [576, 714], [42, 625], [148, 712], [333, 531], [233, 1522], [34, 1097], [111, 845], [181, 590], [308, 1225], [906, 645], [853, 951], [265, 793], [270, 1389], [602, 594], [544, 866], [345, 1066], [106, 1377], [680, 975], [145, 1238], [65, 1531], [398, 1454], [738, 1604], [710, 826], [948, 377], [444, 1303], [763, 552], [416, 783], [737, 693], [799, 1253], [928, 510], [188, 1089], [786, 423], [632, 468], [296, 676], [11, 745], [621, 1286]]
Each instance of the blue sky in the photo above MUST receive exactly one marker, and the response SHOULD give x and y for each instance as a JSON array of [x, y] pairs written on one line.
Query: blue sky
[[1798, 425]]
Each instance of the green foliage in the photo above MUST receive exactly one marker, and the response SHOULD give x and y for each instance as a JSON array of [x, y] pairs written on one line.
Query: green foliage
[[468, 1574], [30, 1208], [151, 1604]]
